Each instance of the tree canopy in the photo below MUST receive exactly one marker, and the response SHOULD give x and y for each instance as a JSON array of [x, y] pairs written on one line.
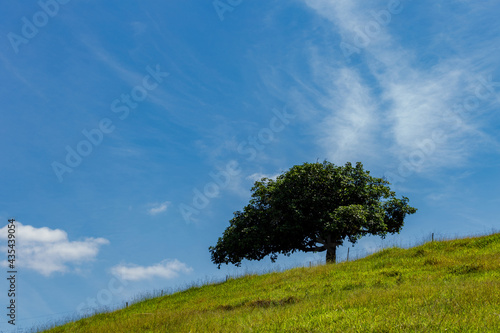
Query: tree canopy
[[311, 207]]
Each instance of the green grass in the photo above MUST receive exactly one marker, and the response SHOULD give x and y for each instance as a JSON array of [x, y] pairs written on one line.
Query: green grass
[[451, 286]]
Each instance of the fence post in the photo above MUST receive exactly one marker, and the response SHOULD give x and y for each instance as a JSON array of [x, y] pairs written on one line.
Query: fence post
[[432, 240], [126, 304], [347, 254]]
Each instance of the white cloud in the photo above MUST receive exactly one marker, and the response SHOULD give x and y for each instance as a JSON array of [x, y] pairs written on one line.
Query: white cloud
[[48, 251], [166, 269], [387, 109], [258, 176], [348, 132], [159, 208]]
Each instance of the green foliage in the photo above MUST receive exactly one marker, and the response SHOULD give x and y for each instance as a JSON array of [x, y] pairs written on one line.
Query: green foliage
[[311, 207], [390, 291]]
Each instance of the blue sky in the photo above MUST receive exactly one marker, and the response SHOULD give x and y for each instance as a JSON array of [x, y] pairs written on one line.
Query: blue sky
[[131, 131]]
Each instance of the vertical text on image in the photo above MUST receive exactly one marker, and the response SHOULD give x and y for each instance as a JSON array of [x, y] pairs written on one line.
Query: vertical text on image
[[11, 272]]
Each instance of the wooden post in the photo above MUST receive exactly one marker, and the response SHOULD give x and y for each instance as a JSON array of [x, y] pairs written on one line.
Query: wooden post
[[310, 263], [432, 240], [126, 304], [347, 254]]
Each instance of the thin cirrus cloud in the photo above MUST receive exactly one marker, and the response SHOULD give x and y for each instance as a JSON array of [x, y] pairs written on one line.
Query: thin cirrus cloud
[[47, 251], [410, 105], [158, 208], [166, 269], [348, 132]]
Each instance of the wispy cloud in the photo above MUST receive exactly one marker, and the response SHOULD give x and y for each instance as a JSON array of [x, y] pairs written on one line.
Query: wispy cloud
[[258, 176], [390, 107], [49, 251], [161, 97], [166, 269], [349, 128], [158, 208]]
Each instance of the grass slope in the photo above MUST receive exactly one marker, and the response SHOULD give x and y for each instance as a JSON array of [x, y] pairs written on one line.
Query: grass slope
[[451, 286]]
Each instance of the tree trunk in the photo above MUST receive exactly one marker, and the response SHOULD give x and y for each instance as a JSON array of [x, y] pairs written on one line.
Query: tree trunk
[[331, 254], [331, 249]]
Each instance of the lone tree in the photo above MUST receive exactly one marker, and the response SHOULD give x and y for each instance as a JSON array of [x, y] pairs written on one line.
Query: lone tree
[[311, 207]]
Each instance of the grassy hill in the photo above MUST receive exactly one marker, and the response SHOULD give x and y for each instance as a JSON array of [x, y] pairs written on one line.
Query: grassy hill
[[451, 286]]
